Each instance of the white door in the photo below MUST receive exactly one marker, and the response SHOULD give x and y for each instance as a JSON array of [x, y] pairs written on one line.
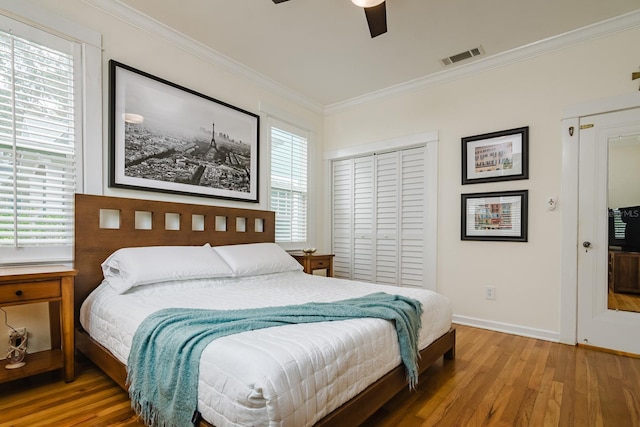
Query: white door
[[342, 217], [604, 184], [363, 219], [380, 218], [387, 221], [353, 219], [413, 266]]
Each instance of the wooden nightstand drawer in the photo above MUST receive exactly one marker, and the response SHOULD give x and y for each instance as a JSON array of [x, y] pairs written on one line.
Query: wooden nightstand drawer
[[319, 263], [28, 291], [312, 262]]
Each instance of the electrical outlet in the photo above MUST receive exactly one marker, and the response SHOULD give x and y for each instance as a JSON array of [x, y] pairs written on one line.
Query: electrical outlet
[[489, 292]]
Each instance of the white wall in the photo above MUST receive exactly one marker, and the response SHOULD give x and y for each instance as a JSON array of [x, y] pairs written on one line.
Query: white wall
[[530, 93], [143, 50], [166, 56], [173, 58]]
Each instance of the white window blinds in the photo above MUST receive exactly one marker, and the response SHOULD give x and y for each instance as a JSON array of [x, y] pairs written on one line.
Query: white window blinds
[[289, 182], [37, 144], [618, 227]]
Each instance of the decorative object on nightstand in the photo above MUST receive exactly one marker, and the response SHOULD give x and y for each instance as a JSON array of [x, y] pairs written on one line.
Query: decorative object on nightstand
[[311, 261], [17, 345], [52, 284], [309, 251], [17, 350]]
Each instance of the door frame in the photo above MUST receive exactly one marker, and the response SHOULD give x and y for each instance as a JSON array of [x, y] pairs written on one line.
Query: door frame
[[569, 200]]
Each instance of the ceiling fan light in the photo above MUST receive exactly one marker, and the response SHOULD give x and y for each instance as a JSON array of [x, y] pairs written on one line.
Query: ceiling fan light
[[367, 3]]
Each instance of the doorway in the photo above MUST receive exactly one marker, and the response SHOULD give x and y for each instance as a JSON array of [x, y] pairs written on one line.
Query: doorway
[[608, 235]]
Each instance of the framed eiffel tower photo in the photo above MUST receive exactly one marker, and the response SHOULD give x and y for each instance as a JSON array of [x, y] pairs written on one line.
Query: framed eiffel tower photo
[[170, 139]]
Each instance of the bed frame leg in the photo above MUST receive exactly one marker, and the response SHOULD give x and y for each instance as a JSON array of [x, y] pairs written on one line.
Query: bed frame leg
[[451, 353]]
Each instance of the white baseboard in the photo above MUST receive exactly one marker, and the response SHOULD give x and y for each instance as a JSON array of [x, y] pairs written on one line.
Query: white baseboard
[[507, 328]]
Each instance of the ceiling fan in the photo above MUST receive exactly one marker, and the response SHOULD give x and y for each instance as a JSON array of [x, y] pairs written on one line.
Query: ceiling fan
[[375, 11]]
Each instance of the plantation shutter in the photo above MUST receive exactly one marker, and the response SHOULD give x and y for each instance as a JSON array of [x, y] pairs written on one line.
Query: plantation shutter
[[387, 218], [363, 227], [412, 219], [378, 214], [289, 198], [619, 227], [342, 217], [37, 143]]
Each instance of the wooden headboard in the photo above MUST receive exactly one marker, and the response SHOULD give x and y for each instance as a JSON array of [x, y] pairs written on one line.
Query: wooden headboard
[[134, 223]]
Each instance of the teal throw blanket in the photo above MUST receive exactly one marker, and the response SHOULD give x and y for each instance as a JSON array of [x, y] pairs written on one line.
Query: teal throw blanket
[[162, 369]]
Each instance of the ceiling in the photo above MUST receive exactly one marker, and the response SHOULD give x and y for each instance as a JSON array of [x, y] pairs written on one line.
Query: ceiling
[[322, 49]]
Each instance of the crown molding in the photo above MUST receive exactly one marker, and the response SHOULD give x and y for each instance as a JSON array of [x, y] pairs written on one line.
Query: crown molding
[[145, 23], [152, 26], [601, 29]]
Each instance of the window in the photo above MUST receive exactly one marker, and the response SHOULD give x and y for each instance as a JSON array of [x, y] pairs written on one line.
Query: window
[[617, 227], [289, 182], [40, 161]]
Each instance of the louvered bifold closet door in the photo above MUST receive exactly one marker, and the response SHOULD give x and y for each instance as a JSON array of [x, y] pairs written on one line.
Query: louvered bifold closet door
[[379, 226], [342, 200], [387, 216], [412, 219], [363, 219]]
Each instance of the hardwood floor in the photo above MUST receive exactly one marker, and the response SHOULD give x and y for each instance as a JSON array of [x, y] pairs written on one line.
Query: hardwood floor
[[623, 302], [496, 380], [504, 380]]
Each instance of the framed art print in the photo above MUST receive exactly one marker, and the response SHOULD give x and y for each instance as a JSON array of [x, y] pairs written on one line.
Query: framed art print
[[496, 216], [167, 138], [496, 156]]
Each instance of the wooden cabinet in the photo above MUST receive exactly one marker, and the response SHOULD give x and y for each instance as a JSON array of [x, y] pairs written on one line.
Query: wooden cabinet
[[625, 271], [36, 284], [313, 262]]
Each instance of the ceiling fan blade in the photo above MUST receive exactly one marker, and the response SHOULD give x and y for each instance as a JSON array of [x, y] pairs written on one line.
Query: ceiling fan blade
[[377, 19], [279, 1]]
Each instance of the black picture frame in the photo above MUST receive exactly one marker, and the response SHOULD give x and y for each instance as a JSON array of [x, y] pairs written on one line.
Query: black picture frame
[[495, 216], [167, 138], [496, 156]]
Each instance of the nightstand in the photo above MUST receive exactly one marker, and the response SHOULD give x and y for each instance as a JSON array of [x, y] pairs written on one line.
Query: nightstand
[[314, 261], [34, 284]]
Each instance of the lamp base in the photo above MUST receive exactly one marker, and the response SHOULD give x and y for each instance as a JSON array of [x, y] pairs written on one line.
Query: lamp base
[[15, 365]]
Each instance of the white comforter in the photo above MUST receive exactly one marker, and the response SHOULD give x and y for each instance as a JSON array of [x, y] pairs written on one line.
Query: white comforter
[[285, 376]]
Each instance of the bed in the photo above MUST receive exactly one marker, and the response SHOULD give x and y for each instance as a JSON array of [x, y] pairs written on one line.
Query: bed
[[347, 397]]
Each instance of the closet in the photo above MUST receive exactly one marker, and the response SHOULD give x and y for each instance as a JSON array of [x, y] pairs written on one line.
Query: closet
[[378, 214]]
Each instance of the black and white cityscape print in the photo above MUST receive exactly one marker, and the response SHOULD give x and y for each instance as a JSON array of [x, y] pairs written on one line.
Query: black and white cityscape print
[[172, 136], [202, 157]]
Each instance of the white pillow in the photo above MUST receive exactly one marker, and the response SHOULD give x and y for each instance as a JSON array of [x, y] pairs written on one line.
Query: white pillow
[[254, 259], [129, 267]]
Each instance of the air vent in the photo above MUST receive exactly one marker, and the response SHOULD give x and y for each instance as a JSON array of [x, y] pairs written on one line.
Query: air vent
[[463, 55]]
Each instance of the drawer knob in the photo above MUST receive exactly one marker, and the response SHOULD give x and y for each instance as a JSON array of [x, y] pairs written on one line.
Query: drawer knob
[[19, 293]]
